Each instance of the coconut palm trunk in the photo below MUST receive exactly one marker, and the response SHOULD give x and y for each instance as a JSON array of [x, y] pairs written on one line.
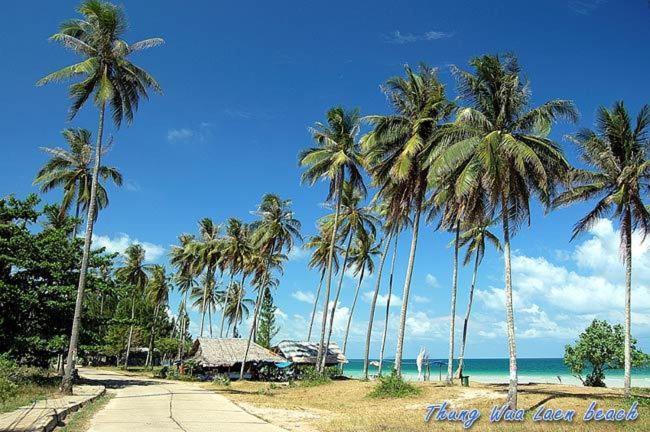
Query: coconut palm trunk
[[208, 286], [130, 338], [66, 382], [225, 303], [373, 304], [627, 378], [239, 300], [452, 316], [313, 312], [149, 361], [323, 360], [461, 357], [390, 293], [510, 316], [73, 234], [328, 285], [354, 305], [181, 346], [260, 295], [210, 320], [407, 285]]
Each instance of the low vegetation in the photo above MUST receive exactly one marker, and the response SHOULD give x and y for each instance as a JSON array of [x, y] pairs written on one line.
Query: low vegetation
[[80, 421], [393, 386], [21, 385]]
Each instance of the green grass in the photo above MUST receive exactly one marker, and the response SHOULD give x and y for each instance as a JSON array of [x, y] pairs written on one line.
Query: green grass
[[80, 421], [29, 390]]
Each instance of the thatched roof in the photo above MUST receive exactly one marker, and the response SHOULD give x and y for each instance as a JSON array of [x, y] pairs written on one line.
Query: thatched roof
[[228, 352], [306, 352]]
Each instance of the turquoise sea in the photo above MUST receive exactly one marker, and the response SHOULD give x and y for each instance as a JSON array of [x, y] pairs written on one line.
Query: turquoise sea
[[541, 370]]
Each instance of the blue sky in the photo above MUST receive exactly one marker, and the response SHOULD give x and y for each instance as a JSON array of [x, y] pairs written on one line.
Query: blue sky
[[242, 83]]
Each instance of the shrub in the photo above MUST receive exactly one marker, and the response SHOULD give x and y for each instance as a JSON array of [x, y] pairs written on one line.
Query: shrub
[[222, 380], [310, 377], [9, 375], [393, 386]]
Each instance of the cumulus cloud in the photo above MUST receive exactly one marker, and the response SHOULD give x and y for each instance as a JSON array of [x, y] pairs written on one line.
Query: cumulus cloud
[[118, 244], [302, 296], [382, 299], [432, 281], [298, 253]]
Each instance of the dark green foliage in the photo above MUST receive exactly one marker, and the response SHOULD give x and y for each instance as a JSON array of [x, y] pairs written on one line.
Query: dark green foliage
[[267, 329], [393, 386], [600, 347]]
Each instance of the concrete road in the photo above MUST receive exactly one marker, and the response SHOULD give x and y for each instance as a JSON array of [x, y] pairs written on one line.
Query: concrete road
[[141, 405]]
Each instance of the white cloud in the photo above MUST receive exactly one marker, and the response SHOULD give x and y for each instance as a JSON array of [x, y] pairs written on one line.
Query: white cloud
[[183, 134], [298, 253], [280, 314], [118, 244], [432, 281], [302, 296], [400, 38], [382, 299], [421, 299]]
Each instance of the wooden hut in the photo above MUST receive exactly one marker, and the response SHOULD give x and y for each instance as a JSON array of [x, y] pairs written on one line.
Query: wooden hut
[[225, 355], [304, 353]]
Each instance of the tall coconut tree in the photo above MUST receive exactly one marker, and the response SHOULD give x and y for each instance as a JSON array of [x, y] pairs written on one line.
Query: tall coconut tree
[[108, 75], [237, 308], [320, 245], [182, 257], [395, 152], [135, 273], [206, 298], [616, 152], [72, 171], [474, 237], [158, 295], [236, 252], [336, 159], [209, 252], [361, 260], [499, 142], [357, 222], [276, 231]]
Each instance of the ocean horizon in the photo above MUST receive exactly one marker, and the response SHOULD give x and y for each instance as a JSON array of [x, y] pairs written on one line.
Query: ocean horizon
[[495, 370]]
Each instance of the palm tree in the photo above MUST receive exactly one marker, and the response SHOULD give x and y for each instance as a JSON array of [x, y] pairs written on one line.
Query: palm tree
[[237, 308], [209, 252], [135, 273], [337, 159], [391, 229], [498, 142], [396, 151], [356, 221], [72, 171], [474, 237], [276, 231], [158, 293], [182, 257], [206, 299], [320, 244], [113, 79], [361, 259], [616, 152], [236, 252]]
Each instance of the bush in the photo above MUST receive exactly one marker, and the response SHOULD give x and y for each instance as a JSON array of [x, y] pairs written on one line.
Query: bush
[[393, 386], [9, 376], [222, 380], [310, 377]]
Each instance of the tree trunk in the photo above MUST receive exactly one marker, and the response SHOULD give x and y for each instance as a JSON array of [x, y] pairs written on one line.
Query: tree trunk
[[407, 286], [452, 316], [225, 303], [313, 312], [149, 361], [336, 300], [373, 304], [627, 378], [354, 304], [128, 342], [330, 257], [461, 358], [181, 346], [66, 382], [258, 303], [510, 316], [208, 286], [76, 217], [239, 300], [390, 293]]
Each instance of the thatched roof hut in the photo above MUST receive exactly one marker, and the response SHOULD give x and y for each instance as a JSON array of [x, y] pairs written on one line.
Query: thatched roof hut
[[305, 352], [225, 353]]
